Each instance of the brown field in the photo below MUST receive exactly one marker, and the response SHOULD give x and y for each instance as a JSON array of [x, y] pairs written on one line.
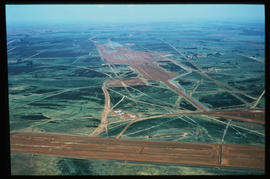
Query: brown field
[[126, 56], [140, 60], [152, 72], [202, 154], [126, 81]]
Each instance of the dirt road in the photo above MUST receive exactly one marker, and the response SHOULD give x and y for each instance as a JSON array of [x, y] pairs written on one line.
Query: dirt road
[[200, 154], [103, 124]]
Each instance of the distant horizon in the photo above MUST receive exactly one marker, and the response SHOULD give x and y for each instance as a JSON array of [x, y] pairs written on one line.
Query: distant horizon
[[81, 14]]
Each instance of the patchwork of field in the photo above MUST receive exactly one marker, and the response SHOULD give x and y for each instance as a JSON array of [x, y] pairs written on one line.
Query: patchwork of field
[[164, 82]]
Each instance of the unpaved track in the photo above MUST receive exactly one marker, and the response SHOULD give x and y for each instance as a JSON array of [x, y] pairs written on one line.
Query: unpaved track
[[200, 154], [253, 116], [103, 124]]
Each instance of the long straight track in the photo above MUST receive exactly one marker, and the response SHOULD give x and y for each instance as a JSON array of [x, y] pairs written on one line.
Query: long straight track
[[187, 153]]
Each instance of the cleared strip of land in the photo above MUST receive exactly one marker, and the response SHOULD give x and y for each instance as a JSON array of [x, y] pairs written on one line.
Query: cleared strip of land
[[251, 115], [201, 154]]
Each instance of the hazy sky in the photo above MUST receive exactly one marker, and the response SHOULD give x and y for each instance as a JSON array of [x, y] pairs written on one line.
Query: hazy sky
[[137, 13]]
